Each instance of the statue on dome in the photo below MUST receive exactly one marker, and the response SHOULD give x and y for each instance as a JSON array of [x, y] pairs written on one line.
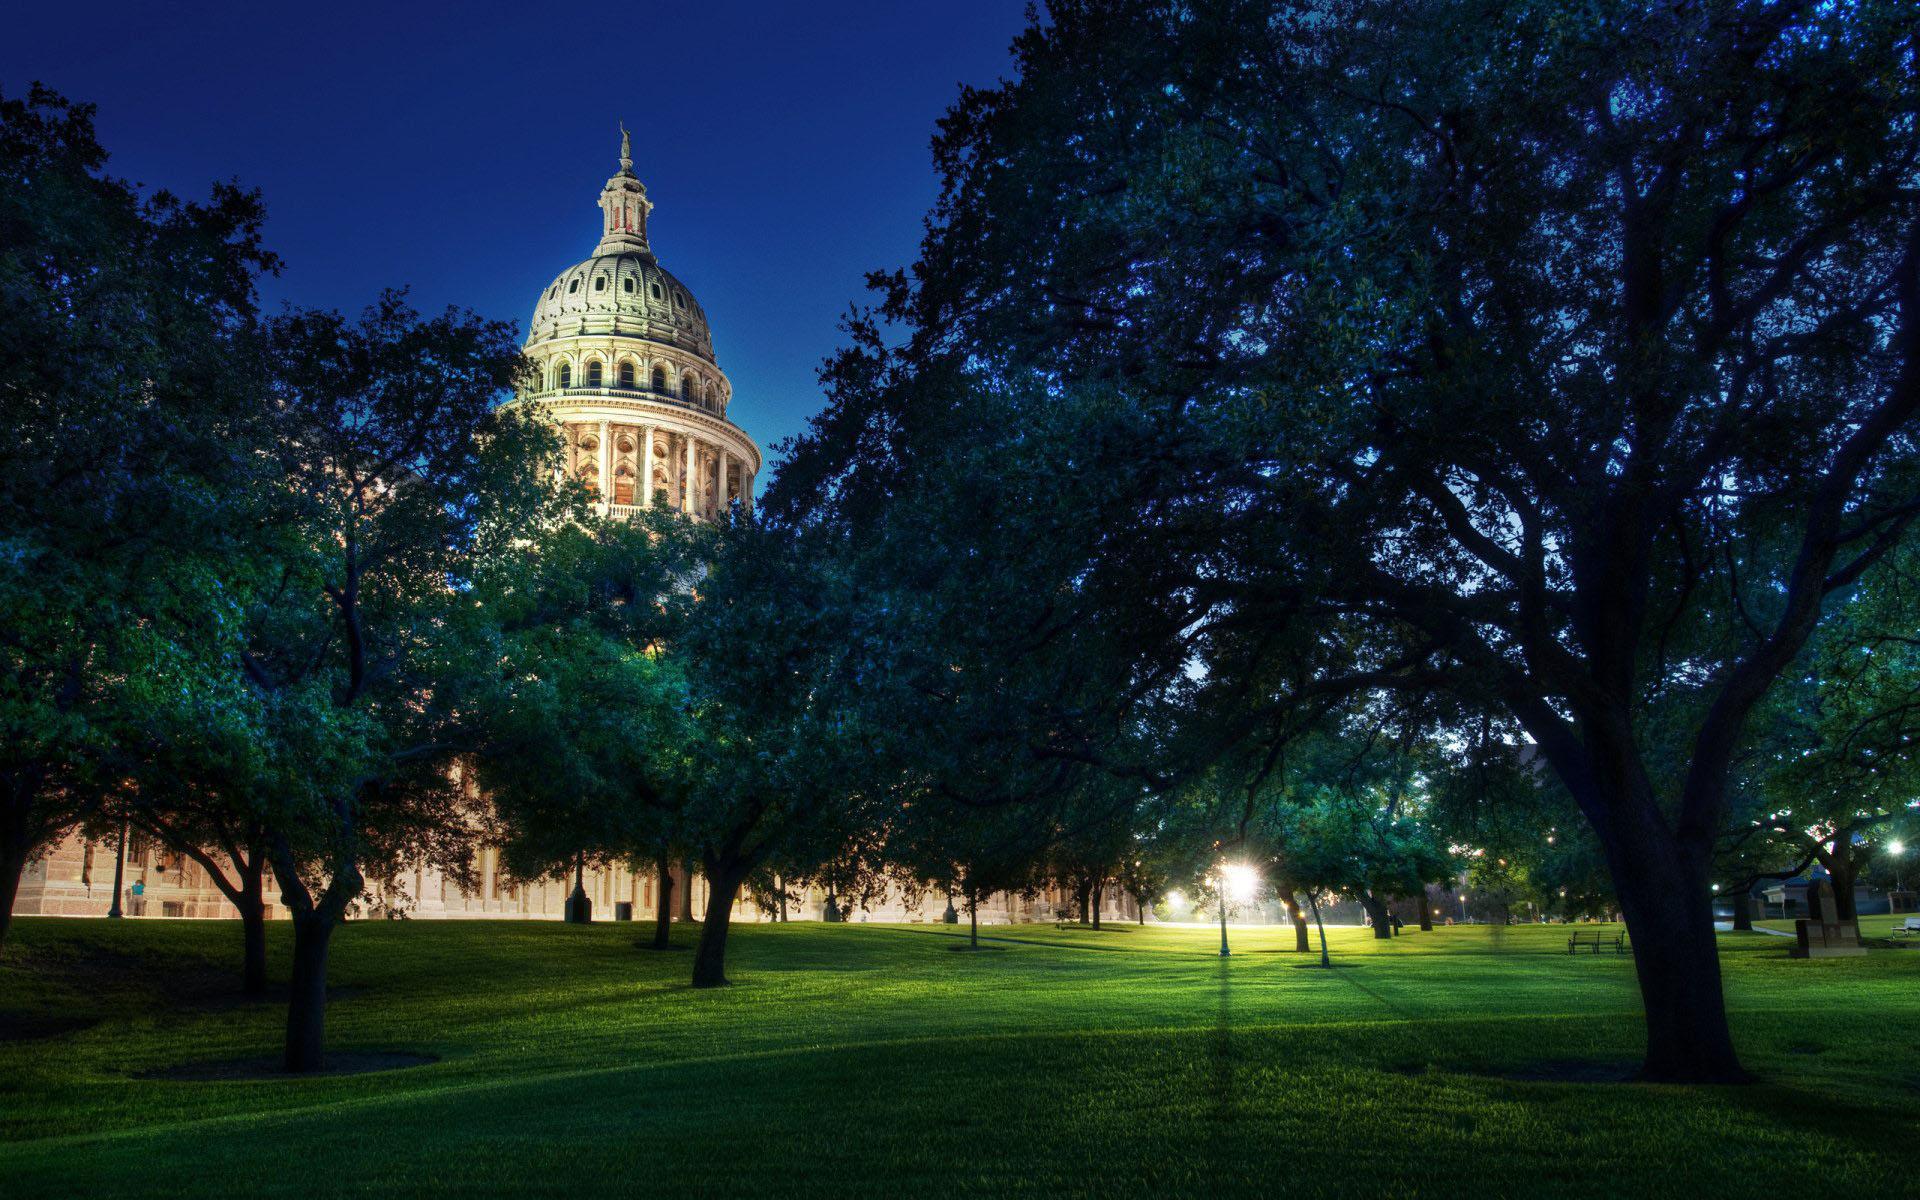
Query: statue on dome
[[626, 148]]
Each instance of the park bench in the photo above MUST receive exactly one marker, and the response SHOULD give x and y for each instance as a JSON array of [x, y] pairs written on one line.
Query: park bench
[[1596, 939], [1908, 928]]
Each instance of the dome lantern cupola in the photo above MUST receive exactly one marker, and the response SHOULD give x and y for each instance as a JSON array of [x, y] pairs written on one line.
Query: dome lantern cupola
[[624, 207]]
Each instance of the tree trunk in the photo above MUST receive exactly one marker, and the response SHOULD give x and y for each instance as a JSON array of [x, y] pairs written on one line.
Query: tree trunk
[[314, 921], [1301, 943], [1377, 911], [1096, 903], [1844, 869], [13, 864], [710, 959], [1426, 911], [1668, 909], [253, 928], [1140, 909], [663, 907], [686, 894], [973, 921], [1743, 912], [1325, 961], [307, 995], [1081, 894]]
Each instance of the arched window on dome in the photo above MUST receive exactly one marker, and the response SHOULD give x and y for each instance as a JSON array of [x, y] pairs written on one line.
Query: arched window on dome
[[659, 378], [628, 284], [655, 289], [686, 386], [563, 375], [679, 299], [600, 283], [593, 373], [555, 293], [623, 484], [626, 373], [573, 287]]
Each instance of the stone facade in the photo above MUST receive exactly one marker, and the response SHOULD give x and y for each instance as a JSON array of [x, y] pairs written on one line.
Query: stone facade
[[76, 880]]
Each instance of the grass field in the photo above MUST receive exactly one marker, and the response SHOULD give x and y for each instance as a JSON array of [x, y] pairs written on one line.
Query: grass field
[[859, 1060]]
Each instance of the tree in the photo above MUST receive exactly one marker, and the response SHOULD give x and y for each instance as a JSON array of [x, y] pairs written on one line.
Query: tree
[[127, 332], [1831, 765], [968, 851], [402, 477], [584, 744], [191, 783], [774, 647], [1490, 349], [1145, 876], [1093, 833], [1319, 834]]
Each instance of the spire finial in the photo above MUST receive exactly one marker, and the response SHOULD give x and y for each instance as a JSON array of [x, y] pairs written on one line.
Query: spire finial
[[626, 148]]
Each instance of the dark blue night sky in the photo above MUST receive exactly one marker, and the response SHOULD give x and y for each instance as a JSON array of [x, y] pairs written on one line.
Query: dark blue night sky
[[459, 148]]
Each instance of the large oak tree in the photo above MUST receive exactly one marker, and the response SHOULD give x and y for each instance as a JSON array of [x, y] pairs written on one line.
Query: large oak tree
[[1563, 360]]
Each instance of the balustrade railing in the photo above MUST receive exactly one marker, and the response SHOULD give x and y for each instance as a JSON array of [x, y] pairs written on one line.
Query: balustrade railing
[[648, 394]]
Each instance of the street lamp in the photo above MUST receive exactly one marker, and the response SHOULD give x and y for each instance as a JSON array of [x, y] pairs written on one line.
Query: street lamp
[[119, 871], [1897, 849], [1238, 882]]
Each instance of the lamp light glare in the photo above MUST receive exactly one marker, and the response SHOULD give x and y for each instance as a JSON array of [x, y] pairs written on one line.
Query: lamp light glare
[[1240, 882]]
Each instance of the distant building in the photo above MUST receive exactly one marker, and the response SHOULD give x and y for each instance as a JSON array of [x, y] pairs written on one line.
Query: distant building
[[1787, 898]]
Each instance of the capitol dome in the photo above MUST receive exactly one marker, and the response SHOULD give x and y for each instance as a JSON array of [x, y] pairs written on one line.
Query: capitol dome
[[623, 292], [623, 361]]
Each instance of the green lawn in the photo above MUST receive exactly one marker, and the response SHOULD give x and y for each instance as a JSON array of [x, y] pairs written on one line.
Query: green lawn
[[873, 1060]]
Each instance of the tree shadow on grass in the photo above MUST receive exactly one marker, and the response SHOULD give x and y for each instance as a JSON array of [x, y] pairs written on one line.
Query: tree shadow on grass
[[268, 1066], [33, 1026]]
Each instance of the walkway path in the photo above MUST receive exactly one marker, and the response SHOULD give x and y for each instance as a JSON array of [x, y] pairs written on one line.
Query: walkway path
[[1727, 927]]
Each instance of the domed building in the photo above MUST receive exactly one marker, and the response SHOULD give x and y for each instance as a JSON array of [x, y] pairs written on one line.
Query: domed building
[[624, 362], [623, 359]]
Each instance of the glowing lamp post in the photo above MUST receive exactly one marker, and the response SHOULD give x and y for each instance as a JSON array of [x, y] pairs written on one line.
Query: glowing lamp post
[[1240, 883]]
